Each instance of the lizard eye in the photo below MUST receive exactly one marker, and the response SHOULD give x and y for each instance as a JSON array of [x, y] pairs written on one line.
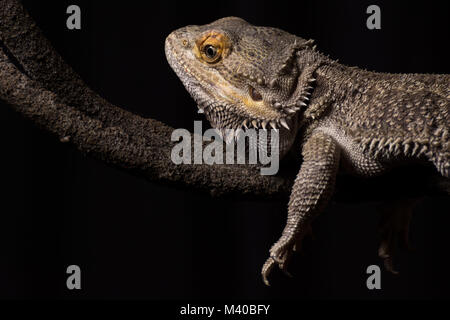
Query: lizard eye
[[212, 47], [255, 95], [210, 51]]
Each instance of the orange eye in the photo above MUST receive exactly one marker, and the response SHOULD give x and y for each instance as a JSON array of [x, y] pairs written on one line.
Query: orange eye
[[212, 47], [211, 50]]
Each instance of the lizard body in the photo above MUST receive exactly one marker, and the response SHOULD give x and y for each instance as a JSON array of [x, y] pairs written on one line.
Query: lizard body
[[345, 118]]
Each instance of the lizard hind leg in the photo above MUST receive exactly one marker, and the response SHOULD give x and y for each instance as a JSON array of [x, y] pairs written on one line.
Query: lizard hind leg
[[394, 229]]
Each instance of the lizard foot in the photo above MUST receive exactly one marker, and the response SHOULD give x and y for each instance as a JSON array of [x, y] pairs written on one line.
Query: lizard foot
[[394, 228], [281, 252], [279, 258]]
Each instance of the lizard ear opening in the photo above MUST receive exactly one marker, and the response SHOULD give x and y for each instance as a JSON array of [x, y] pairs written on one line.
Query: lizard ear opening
[[255, 95]]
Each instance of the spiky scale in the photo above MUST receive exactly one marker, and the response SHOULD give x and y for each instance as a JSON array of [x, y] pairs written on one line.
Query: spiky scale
[[284, 123]]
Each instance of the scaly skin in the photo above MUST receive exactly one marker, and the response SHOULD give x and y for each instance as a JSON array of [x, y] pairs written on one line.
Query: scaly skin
[[345, 118]]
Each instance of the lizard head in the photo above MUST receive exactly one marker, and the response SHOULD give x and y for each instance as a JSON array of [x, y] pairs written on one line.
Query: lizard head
[[241, 75]]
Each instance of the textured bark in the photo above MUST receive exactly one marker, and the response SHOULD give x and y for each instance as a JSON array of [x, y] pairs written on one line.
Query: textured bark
[[36, 82]]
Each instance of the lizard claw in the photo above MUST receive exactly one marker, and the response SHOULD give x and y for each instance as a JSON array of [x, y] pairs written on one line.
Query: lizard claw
[[282, 250], [271, 262], [279, 255], [266, 269]]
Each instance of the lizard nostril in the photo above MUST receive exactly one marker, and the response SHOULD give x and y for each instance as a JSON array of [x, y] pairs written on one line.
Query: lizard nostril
[[184, 42], [255, 95]]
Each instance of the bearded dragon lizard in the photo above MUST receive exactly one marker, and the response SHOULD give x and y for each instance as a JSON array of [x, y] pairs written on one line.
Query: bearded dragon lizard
[[245, 76]]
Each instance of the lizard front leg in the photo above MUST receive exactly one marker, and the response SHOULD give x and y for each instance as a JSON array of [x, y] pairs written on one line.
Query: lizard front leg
[[311, 192]]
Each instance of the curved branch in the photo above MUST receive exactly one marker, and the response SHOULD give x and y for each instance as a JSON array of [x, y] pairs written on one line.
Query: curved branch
[[36, 82]]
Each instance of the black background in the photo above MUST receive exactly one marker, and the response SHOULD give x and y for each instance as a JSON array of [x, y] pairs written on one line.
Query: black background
[[135, 239]]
